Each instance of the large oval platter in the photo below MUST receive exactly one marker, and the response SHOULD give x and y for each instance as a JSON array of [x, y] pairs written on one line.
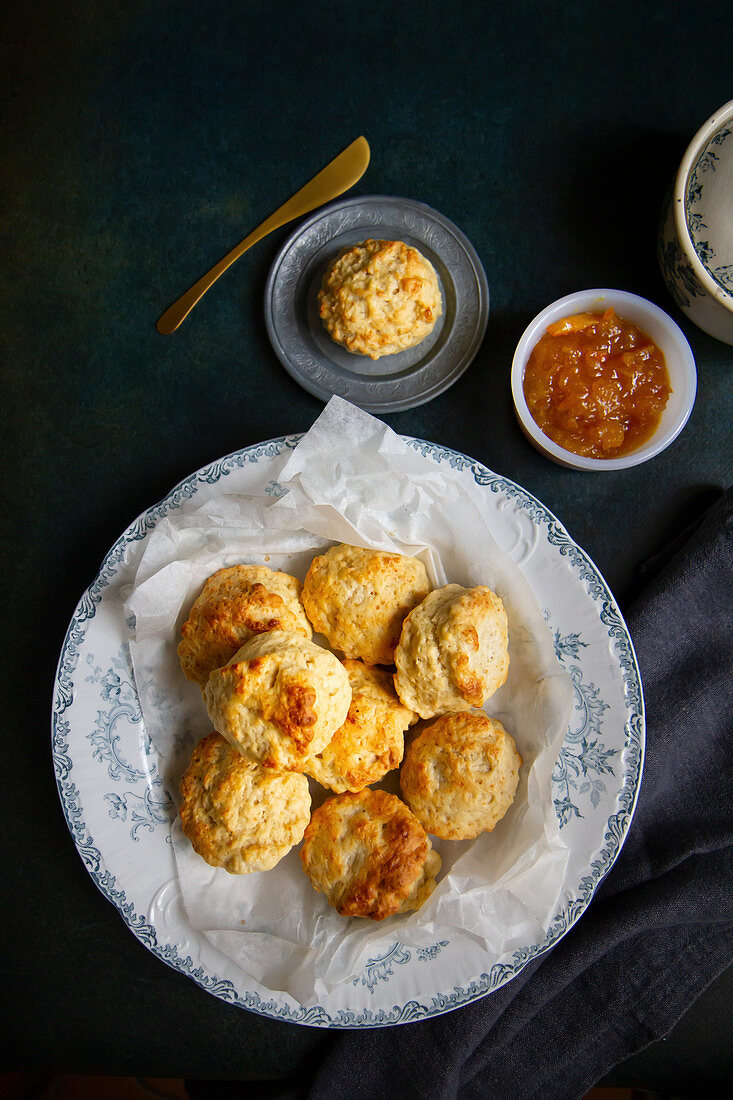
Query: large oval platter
[[120, 814]]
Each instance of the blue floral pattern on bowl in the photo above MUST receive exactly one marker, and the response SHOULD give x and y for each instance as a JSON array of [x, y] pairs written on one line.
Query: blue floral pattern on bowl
[[682, 282], [695, 238], [699, 215]]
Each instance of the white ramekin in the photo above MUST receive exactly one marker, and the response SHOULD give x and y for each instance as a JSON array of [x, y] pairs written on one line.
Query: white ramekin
[[666, 335]]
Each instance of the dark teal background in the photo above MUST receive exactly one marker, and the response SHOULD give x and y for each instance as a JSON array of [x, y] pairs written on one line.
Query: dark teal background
[[141, 141]]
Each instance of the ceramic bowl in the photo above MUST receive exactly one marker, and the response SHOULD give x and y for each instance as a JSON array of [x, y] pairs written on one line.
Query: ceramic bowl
[[666, 335], [695, 245]]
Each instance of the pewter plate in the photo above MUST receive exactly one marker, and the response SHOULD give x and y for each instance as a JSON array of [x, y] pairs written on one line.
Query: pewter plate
[[393, 382]]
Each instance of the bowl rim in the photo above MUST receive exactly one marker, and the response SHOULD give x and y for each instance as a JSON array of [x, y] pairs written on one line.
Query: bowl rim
[[716, 121], [582, 300]]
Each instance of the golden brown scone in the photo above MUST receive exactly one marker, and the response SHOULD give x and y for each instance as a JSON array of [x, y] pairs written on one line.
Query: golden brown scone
[[238, 815], [280, 699], [235, 604], [369, 855], [372, 739], [453, 651], [379, 297], [460, 775], [359, 598]]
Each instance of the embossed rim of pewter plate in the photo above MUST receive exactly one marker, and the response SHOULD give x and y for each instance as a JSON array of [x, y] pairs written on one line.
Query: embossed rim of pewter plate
[[393, 382]]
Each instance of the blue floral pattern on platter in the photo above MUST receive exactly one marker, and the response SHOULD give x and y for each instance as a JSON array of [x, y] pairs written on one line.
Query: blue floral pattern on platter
[[583, 758], [381, 968], [151, 805], [141, 804]]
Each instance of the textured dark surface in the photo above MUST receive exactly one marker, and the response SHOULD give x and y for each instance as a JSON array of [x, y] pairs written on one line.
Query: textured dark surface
[[140, 141]]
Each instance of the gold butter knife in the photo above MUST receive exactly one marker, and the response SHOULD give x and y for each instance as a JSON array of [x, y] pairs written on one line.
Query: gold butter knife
[[338, 176]]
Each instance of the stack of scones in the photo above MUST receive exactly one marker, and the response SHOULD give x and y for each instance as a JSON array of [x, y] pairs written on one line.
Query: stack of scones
[[285, 708]]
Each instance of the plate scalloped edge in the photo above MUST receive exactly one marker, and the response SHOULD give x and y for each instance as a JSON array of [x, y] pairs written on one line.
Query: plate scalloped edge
[[615, 829]]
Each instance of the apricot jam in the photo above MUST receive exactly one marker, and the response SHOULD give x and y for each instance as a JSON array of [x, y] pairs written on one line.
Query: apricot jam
[[596, 384]]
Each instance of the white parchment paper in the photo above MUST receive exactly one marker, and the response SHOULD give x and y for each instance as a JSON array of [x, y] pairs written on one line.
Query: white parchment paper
[[351, 479]]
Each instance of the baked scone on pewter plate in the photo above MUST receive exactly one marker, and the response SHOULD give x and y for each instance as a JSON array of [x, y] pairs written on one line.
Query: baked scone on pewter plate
[[453, 651], [280, 699], [369, 855], [235, 604], [371, 741], [379, 297], [460, 775], [359, 598], [238, 815]]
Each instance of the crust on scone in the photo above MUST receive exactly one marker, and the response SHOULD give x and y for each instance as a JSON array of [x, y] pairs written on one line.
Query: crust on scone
[[460, 775], [379, 297], [279, 700], [235, 604], [359, 598], [238, 815], [453, 651], [369, 855], [371, 741]]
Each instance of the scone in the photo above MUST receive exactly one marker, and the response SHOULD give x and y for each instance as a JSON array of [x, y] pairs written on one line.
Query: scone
[[452, 653], [359, 598], [379, 297], [460, 775], [234, 605], [238, 815], [279, 700], [372, 739], [369, 855]]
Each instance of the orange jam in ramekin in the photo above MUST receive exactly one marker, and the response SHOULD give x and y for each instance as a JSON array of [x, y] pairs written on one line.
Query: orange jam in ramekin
[[596, 384]]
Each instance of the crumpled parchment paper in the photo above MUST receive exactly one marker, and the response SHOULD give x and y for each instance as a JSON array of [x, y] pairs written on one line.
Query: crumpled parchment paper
[[351, 479]]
